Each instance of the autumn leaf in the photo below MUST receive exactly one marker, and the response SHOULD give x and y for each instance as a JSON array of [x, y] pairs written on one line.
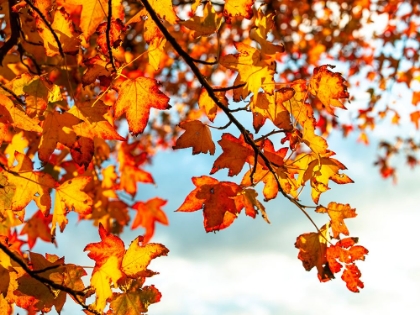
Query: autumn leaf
[[271, 107], [207, 104], [138, 257], [235, 153], [64, 30], [216, 200], [136, 97], [94, 123], [197, 135], [116, 29], [29, 185], [164, 10], [108, 255], [70, 197], [234, 8], [13, 115], [148, 213], [247, 199], [204, 25], [135, 300], [312, 252], [37, 227], [346, 252], [330, 87], [338, 212], [253, 71], [96, 69]]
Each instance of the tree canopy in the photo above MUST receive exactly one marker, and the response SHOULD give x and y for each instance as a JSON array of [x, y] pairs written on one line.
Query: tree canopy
[[91, 91]]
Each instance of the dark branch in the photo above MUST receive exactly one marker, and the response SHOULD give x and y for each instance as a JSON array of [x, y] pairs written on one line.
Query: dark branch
[[108, 30], [228, 88], [13, 94], [14, 37]]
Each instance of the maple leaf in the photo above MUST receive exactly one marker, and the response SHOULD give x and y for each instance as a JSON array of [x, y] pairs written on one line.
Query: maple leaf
[[29, 185], [216, 200], [338, 212], [253, 71], [415, 118], [345, 251], [130, 171], [13, 115], [197, 135], [235, 153], [116, 28], [148, 213], [319, 172], [164, 10], [312, 252], [57, 127], [233, 8], [138, 257], [135, 300], [70, 197], [263, 24], [93, 13], [96, 69], [207, 104], [64, 30], [108, 255], [136, 97], [303, 113], [94, 122], [205, 25], [37, 227], [271, 107], [247, 199], [329, 87]]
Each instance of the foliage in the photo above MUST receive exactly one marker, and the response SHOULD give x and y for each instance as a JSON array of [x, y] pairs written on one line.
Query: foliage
[[74, 74]]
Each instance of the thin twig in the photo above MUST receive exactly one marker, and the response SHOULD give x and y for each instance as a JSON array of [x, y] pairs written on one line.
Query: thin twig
[[228, 88], [108, 30], [221, 128], [13, 94], [205, 62]]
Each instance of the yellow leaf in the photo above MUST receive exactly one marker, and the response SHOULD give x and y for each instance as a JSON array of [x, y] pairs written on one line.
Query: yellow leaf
[[70, 197], [138, 257], [205, 25], [234, 8], [338, 212]]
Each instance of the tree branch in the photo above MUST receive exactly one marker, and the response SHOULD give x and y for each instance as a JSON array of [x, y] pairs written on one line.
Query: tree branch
[[108, 29], [211, 92]]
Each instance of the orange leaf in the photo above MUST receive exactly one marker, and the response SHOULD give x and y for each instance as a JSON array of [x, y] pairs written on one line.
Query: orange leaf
[[37, 227], [13, 115], [197, 135], [346, 252], [330, 87], [148, 213], [247, 199], [271, 107], [235, 153], [216, 200], [63, 28], [117, 27], [416, 98], [312, 252], [136, 97], [94, 123], [415, 117], [338, 212], [235, 8], [29, 185]]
